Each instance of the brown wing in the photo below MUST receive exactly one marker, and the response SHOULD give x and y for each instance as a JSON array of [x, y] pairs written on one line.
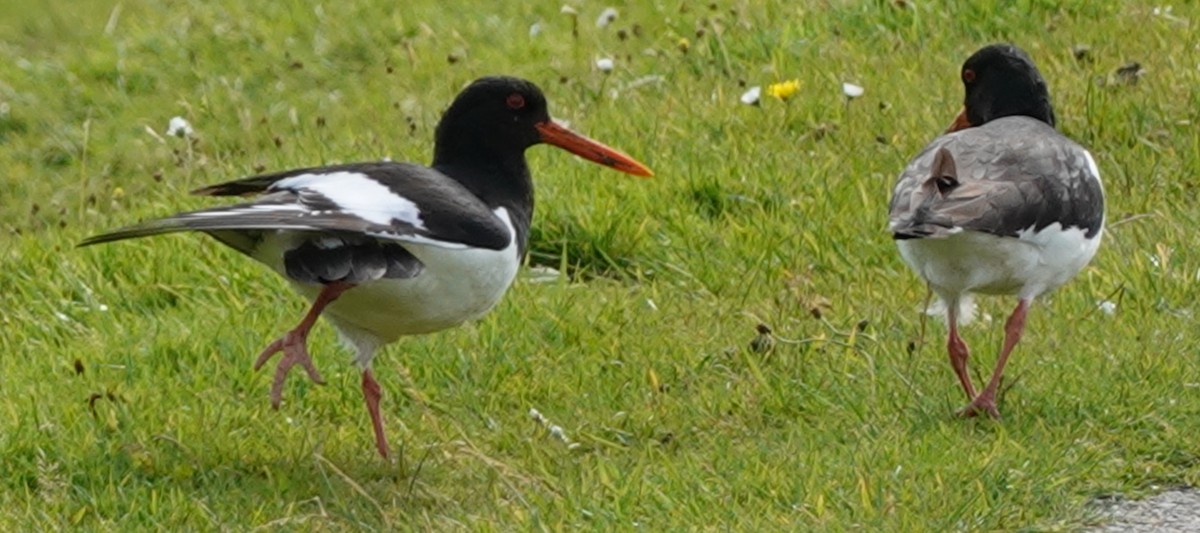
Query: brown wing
[[1006, 176]]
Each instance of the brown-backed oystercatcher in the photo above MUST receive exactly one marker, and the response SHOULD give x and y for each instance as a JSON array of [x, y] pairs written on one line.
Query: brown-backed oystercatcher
[[1001, 204]]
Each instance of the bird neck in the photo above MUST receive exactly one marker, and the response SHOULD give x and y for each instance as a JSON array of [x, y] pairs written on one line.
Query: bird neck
[[499, 180], [1029, 100]]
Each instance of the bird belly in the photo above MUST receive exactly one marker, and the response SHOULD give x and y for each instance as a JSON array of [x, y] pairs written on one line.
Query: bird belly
[[456, 286], [1028, 265]]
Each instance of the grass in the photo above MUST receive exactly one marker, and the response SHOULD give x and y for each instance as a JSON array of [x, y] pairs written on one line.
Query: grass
[[126, 395]]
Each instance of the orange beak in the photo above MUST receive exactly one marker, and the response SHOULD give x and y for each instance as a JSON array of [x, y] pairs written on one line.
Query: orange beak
[[586, 148], [960, 122]]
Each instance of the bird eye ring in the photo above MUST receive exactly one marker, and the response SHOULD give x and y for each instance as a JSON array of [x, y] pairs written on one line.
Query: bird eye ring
[[515, 101], [968, 76]]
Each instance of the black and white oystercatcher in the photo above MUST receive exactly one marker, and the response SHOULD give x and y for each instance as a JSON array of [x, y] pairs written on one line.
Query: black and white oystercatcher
[[385, 249], [1001, 204]]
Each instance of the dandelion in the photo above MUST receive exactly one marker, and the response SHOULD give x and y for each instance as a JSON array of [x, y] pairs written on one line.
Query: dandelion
[[1107, 307], [605, 64], [851, 90], [606, 17], [764, 341], [683, 44], [179, 127], [535, 29], [751, 96], [784, 89]]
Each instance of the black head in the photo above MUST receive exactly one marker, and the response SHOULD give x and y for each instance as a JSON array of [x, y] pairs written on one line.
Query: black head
[[499, 112], [496, 118], [1000, 80]]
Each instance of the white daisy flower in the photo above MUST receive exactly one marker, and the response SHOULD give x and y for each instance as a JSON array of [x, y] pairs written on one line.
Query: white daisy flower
[[851, 90], [751, 96], [180, 127], [606, 17]]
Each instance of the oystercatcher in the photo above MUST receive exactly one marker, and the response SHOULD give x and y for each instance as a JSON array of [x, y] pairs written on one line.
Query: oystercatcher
[[384, 249], [1002, 203]]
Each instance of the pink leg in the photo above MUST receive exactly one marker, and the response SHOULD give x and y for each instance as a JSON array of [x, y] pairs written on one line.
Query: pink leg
[[294, 344], [986, 401], [958, 356], [372, 394]]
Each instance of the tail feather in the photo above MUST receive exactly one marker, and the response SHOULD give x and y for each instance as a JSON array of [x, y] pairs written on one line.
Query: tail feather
[[144, 229], [221, 220], [964, 308]]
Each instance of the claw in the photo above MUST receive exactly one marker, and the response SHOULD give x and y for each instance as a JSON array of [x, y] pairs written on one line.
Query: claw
[[295, 352], [980, 405], [294, 345]]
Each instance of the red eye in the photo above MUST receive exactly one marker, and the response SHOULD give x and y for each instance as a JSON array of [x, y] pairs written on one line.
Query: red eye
[[968, 76], [515, 101]]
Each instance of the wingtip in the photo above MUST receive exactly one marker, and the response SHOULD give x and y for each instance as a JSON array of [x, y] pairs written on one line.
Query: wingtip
[[102, 238], [220, 189], [922, 230]]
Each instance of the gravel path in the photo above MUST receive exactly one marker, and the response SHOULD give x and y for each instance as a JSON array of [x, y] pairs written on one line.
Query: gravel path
[[1171, 511]]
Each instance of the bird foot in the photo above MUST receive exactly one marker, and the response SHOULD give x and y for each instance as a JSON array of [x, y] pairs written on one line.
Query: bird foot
[[293, 344], [982, 404]]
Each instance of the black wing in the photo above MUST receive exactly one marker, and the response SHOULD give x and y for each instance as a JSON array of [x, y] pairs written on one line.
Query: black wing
[[388, 201]]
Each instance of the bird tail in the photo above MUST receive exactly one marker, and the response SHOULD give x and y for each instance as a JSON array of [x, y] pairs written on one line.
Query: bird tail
[[265, 214], [964, 308], [144, 229], [234, 225]]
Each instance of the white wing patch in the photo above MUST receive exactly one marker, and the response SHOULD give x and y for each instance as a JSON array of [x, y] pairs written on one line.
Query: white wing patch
[[359, 195], [216, 213]]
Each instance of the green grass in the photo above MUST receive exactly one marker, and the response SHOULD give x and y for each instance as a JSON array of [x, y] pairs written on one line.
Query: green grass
[[126, 395]]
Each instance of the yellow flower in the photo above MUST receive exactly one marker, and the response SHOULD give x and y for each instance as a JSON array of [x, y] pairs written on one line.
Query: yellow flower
[[784, 89]]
